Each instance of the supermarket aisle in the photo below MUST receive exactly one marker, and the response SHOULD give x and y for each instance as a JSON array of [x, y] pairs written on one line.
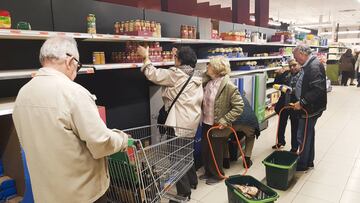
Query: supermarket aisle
[[336, 176]]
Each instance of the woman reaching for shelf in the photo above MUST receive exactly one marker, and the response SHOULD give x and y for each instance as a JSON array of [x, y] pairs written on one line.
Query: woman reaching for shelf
[[186, 111]]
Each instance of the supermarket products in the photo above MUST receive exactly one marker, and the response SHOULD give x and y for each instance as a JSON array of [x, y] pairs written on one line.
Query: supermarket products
[[5, 19], [7, 193], [23, 25], [138, 28], [234, 36], [230, 52], [1, 168], [98, 58], [156, 53], [188, 32], [91, 24]]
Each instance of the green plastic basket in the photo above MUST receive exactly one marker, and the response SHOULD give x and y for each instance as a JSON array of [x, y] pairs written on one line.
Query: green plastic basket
[[234, 196], [280, 169]]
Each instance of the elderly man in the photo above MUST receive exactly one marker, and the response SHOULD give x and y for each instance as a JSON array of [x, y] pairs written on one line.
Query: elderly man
[[59, 127], [311, 94]]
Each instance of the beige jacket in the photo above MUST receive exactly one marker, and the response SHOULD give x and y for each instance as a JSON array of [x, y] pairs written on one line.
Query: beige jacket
[[186, 112], [64, 139]]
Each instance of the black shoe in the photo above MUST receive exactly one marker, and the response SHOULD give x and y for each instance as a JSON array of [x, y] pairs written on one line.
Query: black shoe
[[278, 146], [213, 181], [248, 162], [204, 177], [301, 168], [352, 84], [311, 165], [226, 163], [193, 186]]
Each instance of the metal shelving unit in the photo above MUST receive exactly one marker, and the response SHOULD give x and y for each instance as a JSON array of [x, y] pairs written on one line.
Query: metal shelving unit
[[6, 106]]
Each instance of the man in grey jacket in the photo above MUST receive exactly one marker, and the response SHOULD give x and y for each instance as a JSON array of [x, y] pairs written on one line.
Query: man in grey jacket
[[61, 132]]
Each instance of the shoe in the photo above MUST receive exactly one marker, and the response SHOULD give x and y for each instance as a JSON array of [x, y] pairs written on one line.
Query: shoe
[[278, 146], [248, 162], [301, 168], [311, 165], [213, 181], [352, 84], [204, 177], [181, 198], [193, 186], [226, 163]]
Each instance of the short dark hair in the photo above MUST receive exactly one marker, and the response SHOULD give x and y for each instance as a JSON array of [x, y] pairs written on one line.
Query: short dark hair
[[187, 56]]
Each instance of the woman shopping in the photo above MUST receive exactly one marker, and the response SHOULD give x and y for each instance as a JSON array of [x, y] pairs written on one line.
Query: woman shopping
[[222, 105], [186, 110]]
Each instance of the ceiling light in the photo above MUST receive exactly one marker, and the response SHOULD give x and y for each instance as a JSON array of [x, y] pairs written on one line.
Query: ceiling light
[[342, 32]]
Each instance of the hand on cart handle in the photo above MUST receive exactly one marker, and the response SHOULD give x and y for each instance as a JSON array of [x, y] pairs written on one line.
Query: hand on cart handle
[[219, 126]]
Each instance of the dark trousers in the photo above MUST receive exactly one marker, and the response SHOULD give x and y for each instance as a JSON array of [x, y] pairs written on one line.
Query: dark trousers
[[345, 75], [308, 154], [102, 199], [183, 186], [358, 79], [294, 127], [218, 146]]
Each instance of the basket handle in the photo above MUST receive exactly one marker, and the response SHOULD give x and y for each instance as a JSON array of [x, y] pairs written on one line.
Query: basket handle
[[305, 131], [213, 155]]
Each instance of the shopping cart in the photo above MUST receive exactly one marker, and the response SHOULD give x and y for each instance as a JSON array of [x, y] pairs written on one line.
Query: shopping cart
[[152, 164]]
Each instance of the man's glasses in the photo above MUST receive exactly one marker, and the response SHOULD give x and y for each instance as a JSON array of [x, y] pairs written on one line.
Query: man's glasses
[[79, 65]]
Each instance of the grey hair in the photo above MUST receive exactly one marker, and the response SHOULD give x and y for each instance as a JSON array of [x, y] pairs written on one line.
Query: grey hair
[[221, 65], [56, 48], [304, 49]]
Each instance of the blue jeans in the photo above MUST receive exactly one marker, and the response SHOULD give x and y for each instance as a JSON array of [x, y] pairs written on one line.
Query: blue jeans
[[308, 154]]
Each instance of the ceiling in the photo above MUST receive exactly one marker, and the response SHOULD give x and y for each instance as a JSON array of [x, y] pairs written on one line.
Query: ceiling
[[307, 11]]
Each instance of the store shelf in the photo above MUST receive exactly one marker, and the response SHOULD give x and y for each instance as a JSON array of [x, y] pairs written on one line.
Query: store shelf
[[170, 63], [38, 35], [29, 73], [115, 38], [238, 73], [6, 106], [271, 91]]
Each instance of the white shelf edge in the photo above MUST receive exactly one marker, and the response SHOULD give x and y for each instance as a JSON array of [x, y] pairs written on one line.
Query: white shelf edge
[[238, 73], [270, 80], [6, 106], [38, 35], [29, 73]]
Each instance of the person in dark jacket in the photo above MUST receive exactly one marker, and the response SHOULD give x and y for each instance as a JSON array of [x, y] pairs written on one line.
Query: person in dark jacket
[[247, 126], [347, 66], [287, 77], [311, 94]]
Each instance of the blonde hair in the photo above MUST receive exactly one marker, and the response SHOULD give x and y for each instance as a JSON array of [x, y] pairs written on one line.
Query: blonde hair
[[221, 65]]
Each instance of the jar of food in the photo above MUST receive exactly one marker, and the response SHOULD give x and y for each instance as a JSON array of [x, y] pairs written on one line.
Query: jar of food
[[152, 26], [126, 26], [91, 24], [131, 26], [102, 57], [137, 25], [190, 33], [158, 30], [147, 25], [96, 58], [184, 32], [122, 27], [5, 19], [117, 27], [194, 32]]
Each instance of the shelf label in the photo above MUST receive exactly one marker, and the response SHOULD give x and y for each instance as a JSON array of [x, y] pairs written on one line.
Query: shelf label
[[61, 33], [33, 74], [43, 33], [15, 31], [90, 71]]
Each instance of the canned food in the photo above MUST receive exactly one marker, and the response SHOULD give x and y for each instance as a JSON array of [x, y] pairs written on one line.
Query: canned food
[[91, 24], [96, 58]]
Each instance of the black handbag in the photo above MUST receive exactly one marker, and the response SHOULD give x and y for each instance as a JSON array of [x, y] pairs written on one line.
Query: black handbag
[[163, 114]]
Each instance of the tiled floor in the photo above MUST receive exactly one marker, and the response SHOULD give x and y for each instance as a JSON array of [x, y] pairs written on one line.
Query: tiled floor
[[336, 176]]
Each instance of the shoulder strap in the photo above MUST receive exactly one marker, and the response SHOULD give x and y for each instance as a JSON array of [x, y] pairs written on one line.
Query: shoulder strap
[[178, 95]]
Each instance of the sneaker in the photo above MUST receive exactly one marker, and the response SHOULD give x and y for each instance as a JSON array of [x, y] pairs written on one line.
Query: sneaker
[[180, 198], [248, 162], [213, 181], [278, 146]]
